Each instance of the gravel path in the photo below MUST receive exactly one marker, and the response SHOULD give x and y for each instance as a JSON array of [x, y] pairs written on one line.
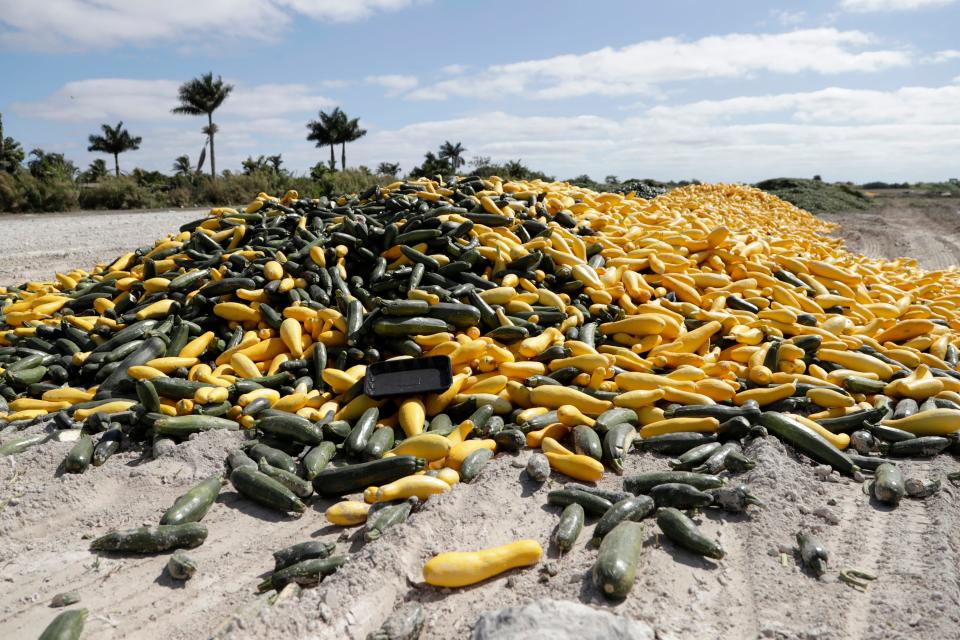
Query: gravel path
[[35, 246]]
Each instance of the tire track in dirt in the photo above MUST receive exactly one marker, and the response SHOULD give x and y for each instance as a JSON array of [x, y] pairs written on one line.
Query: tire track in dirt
[[899, 224]]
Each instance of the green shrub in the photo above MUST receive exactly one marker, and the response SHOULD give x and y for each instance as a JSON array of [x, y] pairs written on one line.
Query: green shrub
[[350, 181], [22, 192], [816, 196], [117, 193]]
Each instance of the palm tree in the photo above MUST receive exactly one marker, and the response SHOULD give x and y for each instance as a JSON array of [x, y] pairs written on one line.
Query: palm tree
[[453, 153], [322, 132], [95, 172], [252, 165], [115, 140], [11, 154], [275, 162], [349, 132], [182, 166], [388, 168], [202, 96], [45, 165]]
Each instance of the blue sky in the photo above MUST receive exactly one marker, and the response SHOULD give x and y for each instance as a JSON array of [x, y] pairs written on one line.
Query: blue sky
[[737, 90]]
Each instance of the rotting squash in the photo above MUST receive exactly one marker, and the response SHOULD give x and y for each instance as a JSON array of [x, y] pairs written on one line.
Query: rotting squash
[[568, 317]]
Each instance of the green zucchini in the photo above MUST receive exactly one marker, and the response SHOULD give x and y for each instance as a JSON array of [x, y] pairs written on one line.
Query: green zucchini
[[405, 623], [274, 457], [473, 464], [538, 467], [922, 488], [153, 539], [379, 443], [679, 496], [812, 553], [856, 384], [404, 327], [194, 504], [20, 444], [299, 552], [108, 445], [642, 483], [694, 457], [264, 490], [675, 443], [291, 427], [183, 426], [682, 531], [569, 527], [176, 388], [441, 424], [297, 485], [148, 396], [616, 567], [888, 484], [807, 441], [386, 517], [716, 461], [80, 455], [238, 458], [633, 508], [307, 573], [592, 504], [924, 446], [889, 434], [357, 477], [586, 442], [613, 417], [66, 626], [616, 443], [719, 411], [318, 458], [181, 566], [356, 442], [613, 496], [459, 315], [511, 440]]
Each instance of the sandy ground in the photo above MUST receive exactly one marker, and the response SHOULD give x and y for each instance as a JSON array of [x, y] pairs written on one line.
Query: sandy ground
[[921, 227], [34, 246], [756, 591]]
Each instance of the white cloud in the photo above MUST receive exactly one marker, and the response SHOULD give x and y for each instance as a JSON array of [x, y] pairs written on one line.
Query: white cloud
[[395, 84], [910, 133], [839, 133], [943, 56], [788, 18], [453, 69], [151, 100], [915, 105], [865, 6], [638, 68], [343, 10], [53, 25]]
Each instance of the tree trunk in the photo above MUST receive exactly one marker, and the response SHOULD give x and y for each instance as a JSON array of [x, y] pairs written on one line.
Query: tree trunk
[[213, 160], [116, 164], [333, 160], [343, 156]]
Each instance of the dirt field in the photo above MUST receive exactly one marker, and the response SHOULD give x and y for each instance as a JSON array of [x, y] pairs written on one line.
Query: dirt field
[[903, 224], [756, 591]]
